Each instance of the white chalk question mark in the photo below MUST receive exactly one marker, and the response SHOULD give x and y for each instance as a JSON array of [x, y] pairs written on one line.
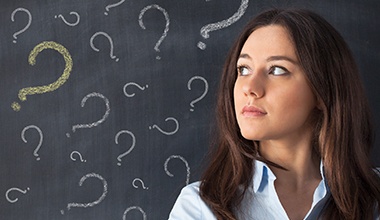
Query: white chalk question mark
[[109, 39], [130, 149], [205, 30], [77, 153], [139, 180], [100, 199], [166, 26], [181, 158], [112, 6], [167, 132], [66, 22], [35, 153], [131, 208], [133, 84], [94, 124], [15, 189], [27, 25], [203, 94]]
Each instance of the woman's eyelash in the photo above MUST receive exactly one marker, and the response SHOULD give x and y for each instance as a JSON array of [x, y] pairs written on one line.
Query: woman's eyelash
[[242, 70], [274, 70], [278, 70]]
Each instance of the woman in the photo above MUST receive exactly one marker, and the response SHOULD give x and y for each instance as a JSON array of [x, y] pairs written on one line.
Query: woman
[[294, 131]]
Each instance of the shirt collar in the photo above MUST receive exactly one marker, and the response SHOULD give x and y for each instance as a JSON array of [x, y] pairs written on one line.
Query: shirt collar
[[263, 174]]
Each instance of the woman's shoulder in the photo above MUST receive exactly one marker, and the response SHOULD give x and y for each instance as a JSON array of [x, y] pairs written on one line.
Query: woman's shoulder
[[190, 206]]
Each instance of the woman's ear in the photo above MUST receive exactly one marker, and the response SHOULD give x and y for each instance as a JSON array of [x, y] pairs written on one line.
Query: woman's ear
[[319, 104]]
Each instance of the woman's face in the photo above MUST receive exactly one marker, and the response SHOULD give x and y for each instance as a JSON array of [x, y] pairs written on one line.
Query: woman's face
[[273, 100]]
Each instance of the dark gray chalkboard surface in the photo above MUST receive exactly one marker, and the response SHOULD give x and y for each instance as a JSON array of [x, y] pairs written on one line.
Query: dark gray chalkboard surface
[[106, 107]]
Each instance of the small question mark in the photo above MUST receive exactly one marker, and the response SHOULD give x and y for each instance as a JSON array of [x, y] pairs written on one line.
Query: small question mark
[[139, 180], [53, 86], [80, 156], [40, 142], [100, 199], [204, 93], [131, 208], [130, 149], [166, 26], [109, 39], [15, 189], [181, 158], [222, 24], [26, 27], [133, 84], [166, 132], [112, 6], [66, 22], [94, 124]]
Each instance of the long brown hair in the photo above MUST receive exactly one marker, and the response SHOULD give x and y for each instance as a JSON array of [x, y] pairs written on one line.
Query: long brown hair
[[343, 135]]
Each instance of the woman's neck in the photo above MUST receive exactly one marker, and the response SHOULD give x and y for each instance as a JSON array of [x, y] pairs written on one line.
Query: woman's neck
[[297, 157]]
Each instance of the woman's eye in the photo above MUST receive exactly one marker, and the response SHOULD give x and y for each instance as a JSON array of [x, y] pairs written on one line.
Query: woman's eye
[[243, 71], [277, 71]]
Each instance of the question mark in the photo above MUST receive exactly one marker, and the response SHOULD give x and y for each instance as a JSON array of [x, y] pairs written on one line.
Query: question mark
[[204, 93], [166, 26], [139, 180], [109, 39], [134, 84], [181, 158], [53, 86], [117, 142], [94, 124], [134, 207], [70, 24], [113, 5], [26, 27], [15, 189], [80, 156], [166, 132], [100, 199], [40, 142], [222, 24]]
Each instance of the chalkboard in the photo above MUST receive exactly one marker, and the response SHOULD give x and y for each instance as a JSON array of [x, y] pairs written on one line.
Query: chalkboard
[[107, 107]]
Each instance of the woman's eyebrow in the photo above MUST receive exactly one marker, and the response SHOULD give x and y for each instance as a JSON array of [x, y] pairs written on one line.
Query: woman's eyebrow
[[286, 58], [271, 58], [245, 56]]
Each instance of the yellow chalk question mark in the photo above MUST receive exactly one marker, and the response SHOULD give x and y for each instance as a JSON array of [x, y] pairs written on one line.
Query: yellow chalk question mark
[[53, 86]]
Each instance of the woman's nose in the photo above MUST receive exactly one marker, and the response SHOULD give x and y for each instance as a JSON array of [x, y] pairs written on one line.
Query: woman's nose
[[254, 85]]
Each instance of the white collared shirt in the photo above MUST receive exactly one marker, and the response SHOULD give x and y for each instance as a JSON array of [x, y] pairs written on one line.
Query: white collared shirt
[[260, 200]]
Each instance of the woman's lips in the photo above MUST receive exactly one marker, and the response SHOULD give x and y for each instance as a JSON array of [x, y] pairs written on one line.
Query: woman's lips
[[252, 111]]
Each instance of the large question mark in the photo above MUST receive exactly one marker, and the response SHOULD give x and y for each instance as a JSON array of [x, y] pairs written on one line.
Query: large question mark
[[139, 180], [109, 39], [167, 132], [166, 26], [66, 22], [27, 25], [204, 93], [130, 149], [53, 86], [15, 189], [131, 208], [94, 124], [133, 84], [79, 155], [35, 153], [181, 158], [100, 199], [205, 30], [112, 6]]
